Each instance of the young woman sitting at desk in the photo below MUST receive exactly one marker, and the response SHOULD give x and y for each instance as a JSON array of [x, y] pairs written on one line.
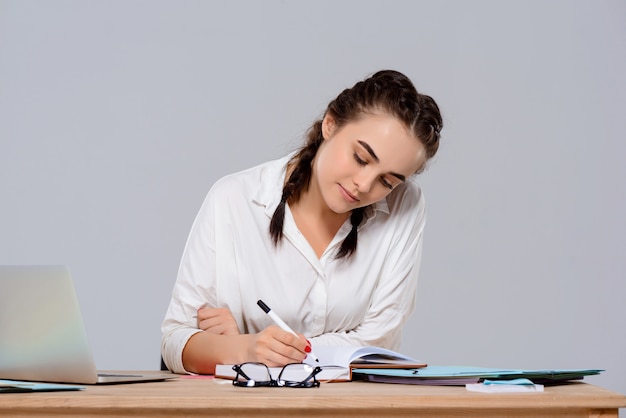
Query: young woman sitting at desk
[[330, 237]]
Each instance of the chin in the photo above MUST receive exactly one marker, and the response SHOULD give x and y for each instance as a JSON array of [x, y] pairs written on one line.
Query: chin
[[341, 208], [339, 205]]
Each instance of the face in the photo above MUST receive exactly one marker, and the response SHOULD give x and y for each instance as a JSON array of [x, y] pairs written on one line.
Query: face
[[363, 161]]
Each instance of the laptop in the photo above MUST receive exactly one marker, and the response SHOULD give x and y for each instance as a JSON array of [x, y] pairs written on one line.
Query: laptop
[[42, 335]]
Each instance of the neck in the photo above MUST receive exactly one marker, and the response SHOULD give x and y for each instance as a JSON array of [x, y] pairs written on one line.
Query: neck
[[315, 220], [312, 204]]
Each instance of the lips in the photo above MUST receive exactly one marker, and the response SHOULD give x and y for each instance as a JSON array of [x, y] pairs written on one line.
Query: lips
[[349, 197]]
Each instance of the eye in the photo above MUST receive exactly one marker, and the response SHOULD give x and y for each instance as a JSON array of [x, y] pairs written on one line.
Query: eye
[[386, 183], [358, 159]]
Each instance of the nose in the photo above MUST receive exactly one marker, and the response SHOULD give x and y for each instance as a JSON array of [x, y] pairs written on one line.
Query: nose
[[363, 181]]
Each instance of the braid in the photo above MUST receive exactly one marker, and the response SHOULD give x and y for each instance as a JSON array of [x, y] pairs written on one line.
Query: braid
[[298, 180], [276, 223], [348, 246]]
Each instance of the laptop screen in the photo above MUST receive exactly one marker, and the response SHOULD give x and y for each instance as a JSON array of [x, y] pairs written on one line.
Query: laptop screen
[[42, 335]]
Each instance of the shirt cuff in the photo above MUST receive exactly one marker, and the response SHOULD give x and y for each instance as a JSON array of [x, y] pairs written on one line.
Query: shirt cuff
[[173, 346]]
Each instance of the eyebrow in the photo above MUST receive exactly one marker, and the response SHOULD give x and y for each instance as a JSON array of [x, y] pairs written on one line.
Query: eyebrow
[[375, 157]]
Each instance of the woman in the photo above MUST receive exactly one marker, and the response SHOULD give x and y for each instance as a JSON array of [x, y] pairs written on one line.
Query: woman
[[329, 237]]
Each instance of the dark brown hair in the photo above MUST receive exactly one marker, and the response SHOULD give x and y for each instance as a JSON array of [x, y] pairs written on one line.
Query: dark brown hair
[[389, 92]]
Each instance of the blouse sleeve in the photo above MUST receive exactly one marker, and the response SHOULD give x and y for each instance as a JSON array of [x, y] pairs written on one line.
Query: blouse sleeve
[[194, 287]]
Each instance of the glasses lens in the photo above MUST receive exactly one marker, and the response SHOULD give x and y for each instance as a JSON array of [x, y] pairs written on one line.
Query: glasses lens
[[253, 374], [298, 375]]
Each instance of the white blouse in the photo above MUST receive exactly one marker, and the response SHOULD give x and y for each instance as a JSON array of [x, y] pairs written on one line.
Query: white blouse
[[229, 261]]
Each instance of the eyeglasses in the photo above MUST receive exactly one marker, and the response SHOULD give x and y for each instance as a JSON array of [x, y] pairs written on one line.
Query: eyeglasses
[[294, 375]]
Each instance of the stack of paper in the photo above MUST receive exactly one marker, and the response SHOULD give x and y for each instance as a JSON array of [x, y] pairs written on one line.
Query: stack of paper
[[462, 375]]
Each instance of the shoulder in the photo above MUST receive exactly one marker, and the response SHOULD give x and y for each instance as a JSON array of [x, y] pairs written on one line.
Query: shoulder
[[406, 197], [401, 214], [249, 182]]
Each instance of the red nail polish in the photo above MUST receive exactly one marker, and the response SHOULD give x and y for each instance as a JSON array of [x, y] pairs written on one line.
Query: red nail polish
[[307, 349]]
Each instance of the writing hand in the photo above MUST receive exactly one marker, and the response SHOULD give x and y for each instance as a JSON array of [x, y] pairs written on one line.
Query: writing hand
[[276, 347]]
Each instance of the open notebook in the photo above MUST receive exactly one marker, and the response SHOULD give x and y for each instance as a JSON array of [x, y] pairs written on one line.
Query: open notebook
[[337, 362], [42, 336]]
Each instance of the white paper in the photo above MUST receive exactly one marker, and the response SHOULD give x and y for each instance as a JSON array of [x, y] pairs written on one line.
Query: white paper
[[481, 387]]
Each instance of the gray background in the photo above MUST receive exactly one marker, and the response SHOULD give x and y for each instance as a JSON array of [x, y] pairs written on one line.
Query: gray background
[[117, 116]]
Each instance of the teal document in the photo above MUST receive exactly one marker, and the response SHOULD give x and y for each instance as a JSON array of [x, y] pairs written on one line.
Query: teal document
[[15, 386]]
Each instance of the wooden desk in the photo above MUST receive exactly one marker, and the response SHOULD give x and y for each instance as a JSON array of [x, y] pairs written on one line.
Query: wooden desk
[[206, 397]]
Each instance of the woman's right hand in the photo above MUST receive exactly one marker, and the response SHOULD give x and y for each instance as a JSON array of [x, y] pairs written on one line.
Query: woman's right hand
[[276, 347], [223, 344]]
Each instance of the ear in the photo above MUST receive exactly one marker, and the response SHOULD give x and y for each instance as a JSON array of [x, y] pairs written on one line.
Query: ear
[[328, 126]]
